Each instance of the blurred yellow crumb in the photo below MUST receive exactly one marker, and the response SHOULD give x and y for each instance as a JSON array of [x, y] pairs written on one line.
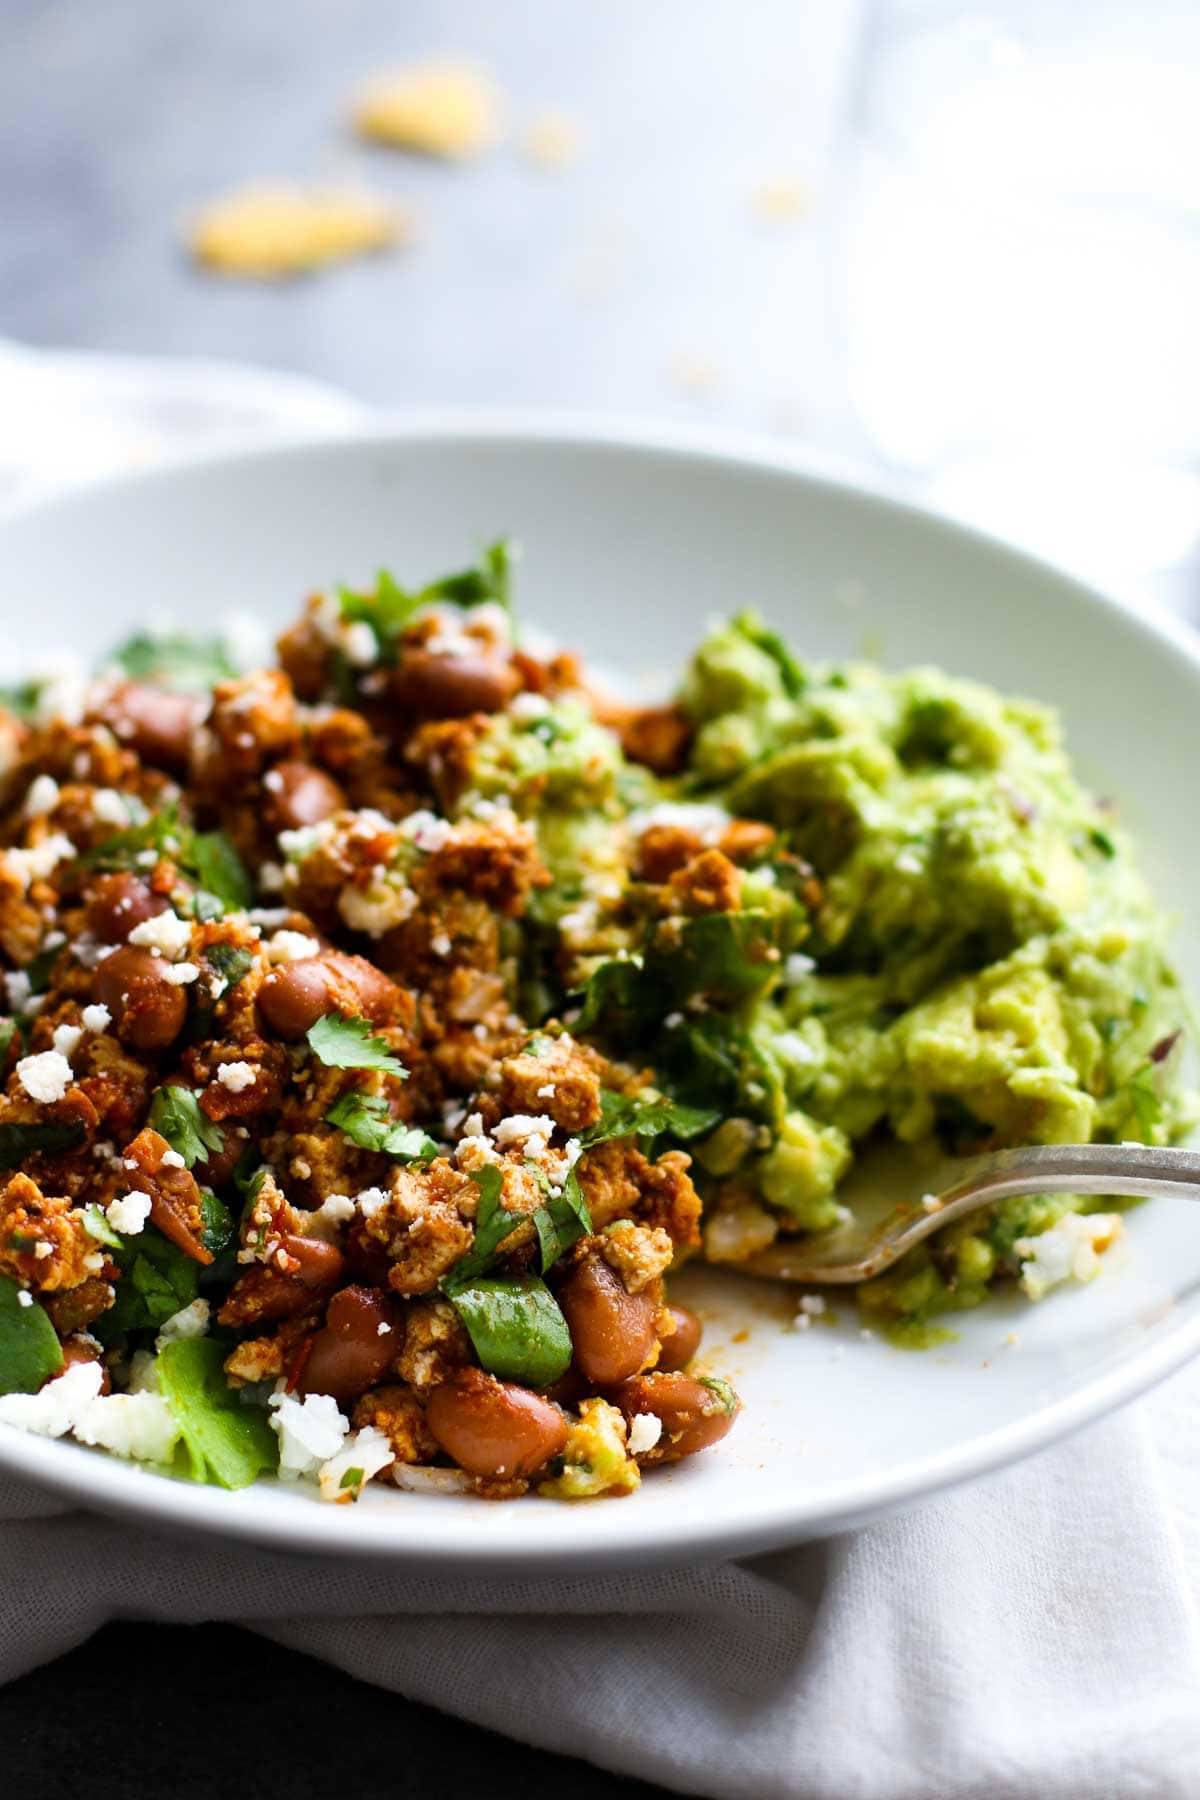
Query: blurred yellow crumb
[[271, 231], [551, 140], [780, 201], [448, 109], [695, 373]]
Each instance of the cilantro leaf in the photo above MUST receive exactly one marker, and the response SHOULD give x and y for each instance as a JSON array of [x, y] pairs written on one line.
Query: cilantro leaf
[[217, 1231], [227, 1442], [389, 609], [561, 1221], [157, 1280], [231, 962], [17, 1141], [349, 1044], [494, 1225], [97, 1226], [516, 1327], [353, 1478], [214, 864], [613, 996], [29, 1348], [207, 858], [175, 1114], [187, 665], [23, 698], [623, 1115], [365, 1120]]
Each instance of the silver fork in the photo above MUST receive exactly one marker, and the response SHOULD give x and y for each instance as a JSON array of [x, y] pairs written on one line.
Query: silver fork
[[871, 1240]]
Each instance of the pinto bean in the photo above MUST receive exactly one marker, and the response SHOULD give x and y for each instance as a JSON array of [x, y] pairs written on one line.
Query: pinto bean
[[611, 1329], [119, 902], [295, 995], [355, 1347], [299, 794], [266, 1291], [678, 1350], [450, 687], [494, 1428], [148, 1009], [154, 722], [694, 1414]]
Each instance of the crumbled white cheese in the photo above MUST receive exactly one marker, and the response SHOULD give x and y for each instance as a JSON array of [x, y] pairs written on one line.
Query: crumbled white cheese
[[236, 1076], [165, 933], [66, 1039], [17, 989], [128, 1213], [189, 1322], [1068, 1251], [55, 1408], [377, 909], [427, 831], [547, 1091], [795, 1048], [291, 946], [359, 644], [42, 797], [337, 1208], [181, 974], [440, 943], [96, 1018], [518, 1128], [110, 807], [46, 1076], [39, 862], [24, 1297], [907, 863], [171, 1159], [370, 1201], [62, 691], [812, 1304], [367, 1451], [529, 706], [310, 1431], [644, 1433], [140, 1426], [797, 966]]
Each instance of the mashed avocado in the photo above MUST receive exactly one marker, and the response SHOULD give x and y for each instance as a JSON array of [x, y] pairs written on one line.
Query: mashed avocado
[[866, 905]]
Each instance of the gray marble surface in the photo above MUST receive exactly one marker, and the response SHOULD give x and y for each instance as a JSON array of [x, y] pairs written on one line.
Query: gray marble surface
[[642, 278]]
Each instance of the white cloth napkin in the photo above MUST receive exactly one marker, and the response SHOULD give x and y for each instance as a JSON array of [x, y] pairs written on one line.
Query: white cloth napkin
[[1034, 1637]]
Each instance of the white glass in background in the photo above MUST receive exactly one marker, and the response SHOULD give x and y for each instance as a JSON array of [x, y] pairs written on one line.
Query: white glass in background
[[1021, 275]]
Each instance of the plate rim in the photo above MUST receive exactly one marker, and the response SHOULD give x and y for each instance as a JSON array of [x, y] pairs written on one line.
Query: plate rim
[[116, 1487]]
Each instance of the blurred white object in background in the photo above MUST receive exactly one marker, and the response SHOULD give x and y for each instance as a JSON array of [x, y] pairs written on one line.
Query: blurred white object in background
[[70, 415], [1021, 274]]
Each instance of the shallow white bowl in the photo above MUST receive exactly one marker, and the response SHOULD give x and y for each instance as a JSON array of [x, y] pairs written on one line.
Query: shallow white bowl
[[631, 546]]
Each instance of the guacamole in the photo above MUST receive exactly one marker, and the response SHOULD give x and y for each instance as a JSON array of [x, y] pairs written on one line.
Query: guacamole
[[861, 905]]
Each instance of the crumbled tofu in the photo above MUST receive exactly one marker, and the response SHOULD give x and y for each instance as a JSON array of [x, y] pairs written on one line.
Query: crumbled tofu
[[128, 1213], [189, 1322], [447, 109], [268, 231], [310, 1431], [45, 1077], [362, 1456], [236, 1076], [169, 935], [1068, 1251]]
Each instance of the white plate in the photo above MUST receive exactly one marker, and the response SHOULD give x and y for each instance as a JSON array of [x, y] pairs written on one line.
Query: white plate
[[631, 546]]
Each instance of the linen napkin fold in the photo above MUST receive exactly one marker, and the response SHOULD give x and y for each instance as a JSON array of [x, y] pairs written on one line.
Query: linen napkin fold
[[1035, 1634]]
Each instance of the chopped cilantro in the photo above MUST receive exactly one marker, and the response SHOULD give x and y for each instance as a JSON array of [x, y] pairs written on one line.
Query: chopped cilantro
[[172, 659], [176, 1115], [562, 1220], [494, 1225], [29, 1348], [723, 1392], [18, 1141], [365, 1120], [231, 962], [353, 1478], [623, 1115], [207, 858], [349, 1044], [388, 610], [97, 1226]]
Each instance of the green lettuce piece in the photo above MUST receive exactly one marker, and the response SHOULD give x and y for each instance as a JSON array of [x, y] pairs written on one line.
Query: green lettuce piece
[[17, 1141], [227, 1443], [29, 1348]]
